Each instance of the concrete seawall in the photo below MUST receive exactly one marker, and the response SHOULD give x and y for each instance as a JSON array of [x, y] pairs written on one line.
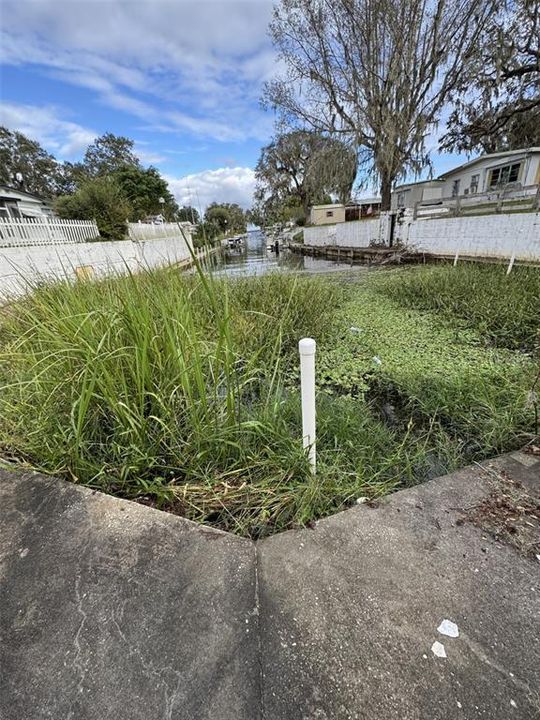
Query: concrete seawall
[[500, 236]]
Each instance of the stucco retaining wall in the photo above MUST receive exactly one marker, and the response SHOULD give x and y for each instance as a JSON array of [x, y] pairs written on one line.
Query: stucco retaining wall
[[21, 266]]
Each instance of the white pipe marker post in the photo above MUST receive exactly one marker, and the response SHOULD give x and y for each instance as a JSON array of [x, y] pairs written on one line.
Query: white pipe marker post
[[307, 347]]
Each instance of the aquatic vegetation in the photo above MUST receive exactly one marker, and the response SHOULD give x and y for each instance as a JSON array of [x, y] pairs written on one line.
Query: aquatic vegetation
[[504, 309], [182, 391], [431, 372]]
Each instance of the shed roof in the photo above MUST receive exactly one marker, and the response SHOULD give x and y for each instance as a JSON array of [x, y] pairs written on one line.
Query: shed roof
[[331, 205]]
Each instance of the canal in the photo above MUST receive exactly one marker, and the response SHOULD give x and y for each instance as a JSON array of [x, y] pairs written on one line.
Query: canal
[[254, 259]]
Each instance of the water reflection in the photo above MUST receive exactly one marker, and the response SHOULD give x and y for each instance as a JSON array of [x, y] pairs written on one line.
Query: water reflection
[[254, 259]]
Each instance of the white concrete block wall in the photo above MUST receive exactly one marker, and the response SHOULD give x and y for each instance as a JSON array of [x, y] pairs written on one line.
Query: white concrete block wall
[[19, 266], [154, 253], [319, 236], [499, 236], [359, 233]]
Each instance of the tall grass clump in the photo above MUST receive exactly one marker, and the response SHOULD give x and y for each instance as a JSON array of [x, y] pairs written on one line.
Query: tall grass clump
[[147, 384], [504, 309]]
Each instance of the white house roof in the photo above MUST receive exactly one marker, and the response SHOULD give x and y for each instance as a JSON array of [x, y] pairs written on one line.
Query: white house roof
[[433, 181], [489, 156], [11, 192]]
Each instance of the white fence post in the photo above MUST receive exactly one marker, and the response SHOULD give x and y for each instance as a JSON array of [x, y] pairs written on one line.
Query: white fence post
[[307, 347]]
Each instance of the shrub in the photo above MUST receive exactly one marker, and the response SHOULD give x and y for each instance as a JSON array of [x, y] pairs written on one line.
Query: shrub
[[100, 199]]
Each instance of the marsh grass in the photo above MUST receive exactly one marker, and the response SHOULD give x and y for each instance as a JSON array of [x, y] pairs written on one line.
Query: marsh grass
[[171, 389], [181, 391], [430, 370], [503, 309]]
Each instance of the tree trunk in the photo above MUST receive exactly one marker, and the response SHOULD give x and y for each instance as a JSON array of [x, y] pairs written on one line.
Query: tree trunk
[[386, 192]]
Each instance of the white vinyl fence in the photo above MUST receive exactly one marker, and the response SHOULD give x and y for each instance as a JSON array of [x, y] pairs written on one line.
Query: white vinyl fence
[[501, 200], [45, 231]]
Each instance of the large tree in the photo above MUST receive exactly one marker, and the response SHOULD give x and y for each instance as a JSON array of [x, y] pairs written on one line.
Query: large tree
[[497, 104], [227, 217], [378, 72], [25, 165], [70, 177], [145, 189], [109, 153], [306, 167]]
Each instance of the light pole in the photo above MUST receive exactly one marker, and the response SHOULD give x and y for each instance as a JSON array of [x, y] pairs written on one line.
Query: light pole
[[162, 205]]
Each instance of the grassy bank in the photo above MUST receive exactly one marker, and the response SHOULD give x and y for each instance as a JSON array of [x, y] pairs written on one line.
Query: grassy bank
[[171, 389], [183, 391]]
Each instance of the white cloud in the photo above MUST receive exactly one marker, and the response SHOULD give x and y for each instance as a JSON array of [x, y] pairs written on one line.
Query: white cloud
[[146, 156], [65, 139], [193, 66], [234, 185]]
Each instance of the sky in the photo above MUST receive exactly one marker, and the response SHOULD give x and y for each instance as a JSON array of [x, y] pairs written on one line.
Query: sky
[[181, 78]]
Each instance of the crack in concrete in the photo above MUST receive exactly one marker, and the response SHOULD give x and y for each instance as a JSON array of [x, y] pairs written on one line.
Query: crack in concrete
[[76, 641], [478, 650]]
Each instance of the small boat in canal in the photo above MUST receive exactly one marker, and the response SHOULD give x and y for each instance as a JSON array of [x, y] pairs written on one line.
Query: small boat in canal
[[236, 243]]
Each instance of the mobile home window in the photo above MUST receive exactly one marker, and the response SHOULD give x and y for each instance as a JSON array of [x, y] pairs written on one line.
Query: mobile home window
[[474, 183], [401, 199], [455, 188], [504, 175], [329, 213]]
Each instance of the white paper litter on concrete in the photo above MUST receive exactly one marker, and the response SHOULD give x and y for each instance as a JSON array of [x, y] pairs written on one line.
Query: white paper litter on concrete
[[449, 628], [438, 649]]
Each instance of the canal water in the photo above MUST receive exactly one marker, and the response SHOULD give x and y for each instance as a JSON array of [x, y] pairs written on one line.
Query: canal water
[[255, 259]]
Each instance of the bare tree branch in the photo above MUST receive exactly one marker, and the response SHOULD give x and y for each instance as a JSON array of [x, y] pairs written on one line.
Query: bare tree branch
[[379, 72]]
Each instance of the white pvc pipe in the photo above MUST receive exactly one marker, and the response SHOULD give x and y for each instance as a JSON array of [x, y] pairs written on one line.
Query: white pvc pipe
[[307, 347], [511, 263]]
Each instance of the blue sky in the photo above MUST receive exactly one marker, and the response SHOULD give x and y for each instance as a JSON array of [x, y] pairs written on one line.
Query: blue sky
[[181, 78]]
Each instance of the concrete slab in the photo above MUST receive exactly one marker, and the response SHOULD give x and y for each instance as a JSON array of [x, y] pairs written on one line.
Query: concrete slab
[[112, 610], [350, 611]]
